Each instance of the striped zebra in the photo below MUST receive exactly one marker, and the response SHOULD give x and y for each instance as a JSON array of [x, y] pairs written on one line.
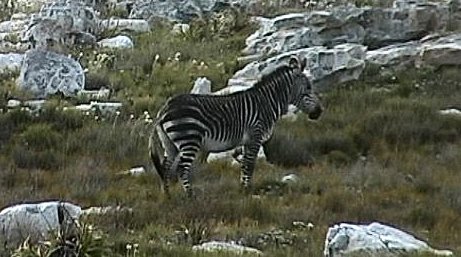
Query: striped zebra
[[188, 124]]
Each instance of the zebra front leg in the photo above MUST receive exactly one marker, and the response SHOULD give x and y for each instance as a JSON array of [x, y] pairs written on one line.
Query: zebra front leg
[[250, 152]]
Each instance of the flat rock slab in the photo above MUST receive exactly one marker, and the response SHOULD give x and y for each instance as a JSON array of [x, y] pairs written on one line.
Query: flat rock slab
[[45, 73], [117, 42], [375, 240], [35, 220], [433, 50], [216, 246]]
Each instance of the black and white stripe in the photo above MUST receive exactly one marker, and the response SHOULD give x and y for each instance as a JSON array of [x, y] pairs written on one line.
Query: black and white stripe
[[191, 123]]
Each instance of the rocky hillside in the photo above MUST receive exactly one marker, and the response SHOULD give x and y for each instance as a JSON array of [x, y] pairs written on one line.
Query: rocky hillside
[[80, 83]]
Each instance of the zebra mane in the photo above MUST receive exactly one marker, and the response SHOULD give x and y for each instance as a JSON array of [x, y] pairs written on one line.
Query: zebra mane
[[273, 75]]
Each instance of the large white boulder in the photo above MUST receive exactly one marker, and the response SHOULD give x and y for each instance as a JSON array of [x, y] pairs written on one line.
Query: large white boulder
[[35, 220], [45, 73], [374, 240]]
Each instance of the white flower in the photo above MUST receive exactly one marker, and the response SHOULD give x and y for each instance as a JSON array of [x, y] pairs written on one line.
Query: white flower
[[117, 113], [128, 246], [131, 116]]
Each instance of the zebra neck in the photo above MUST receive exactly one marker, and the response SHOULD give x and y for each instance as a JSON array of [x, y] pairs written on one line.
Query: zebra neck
[[276, 99]]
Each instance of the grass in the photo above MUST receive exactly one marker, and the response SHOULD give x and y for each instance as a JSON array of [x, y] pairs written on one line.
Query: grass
[[381, 152]]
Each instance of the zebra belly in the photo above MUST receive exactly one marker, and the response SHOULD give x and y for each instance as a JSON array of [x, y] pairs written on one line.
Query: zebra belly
[[215, 146]]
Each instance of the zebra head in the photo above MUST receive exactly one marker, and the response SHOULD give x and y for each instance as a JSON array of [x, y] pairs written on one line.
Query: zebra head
[[304, 98]]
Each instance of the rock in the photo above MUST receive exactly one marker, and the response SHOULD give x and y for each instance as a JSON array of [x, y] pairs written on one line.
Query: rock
[[373, 240], [433, 50], [105, 210], [102, 93], [372, 27], [10, 62], [394, 25], [29, 6], [35, 105], [300, 224], [134, 25], [136, 171], [106, 108], [232, 157], [216, 246], [290, 179], [35, 220], [324, 66], [116, 42], [442, 51], [13, 26], [452, 112], [63, 23], [45, 73], [398, 55], [201, 86], [83, 18], [301, 30], [13, 103], [9, 47], [180, 28], [103, 108], [180, 10]]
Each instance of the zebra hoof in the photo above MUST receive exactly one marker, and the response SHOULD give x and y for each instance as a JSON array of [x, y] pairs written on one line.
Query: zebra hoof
[[246, 189]]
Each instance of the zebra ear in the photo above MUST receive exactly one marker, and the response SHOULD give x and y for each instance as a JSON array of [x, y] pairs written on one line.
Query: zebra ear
[[296, 63]]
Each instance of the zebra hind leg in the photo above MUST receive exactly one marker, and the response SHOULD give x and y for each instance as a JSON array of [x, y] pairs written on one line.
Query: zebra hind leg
[[167, 165], [186, 160]]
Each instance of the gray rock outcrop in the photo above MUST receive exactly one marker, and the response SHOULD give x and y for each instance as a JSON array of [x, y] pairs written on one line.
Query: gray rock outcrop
[[63, 22], [370, 26], [45, 73], [179, 10], [432, 51], [324, 66]]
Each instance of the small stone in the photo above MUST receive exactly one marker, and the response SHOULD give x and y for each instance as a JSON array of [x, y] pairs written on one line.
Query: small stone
[[13, 103], [289, 179]]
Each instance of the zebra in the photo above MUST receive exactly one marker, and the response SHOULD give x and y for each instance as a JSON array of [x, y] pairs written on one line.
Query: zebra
[[191, 123]]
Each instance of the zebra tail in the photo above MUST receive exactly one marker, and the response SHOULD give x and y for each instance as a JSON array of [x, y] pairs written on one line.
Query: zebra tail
[[155, 149]]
